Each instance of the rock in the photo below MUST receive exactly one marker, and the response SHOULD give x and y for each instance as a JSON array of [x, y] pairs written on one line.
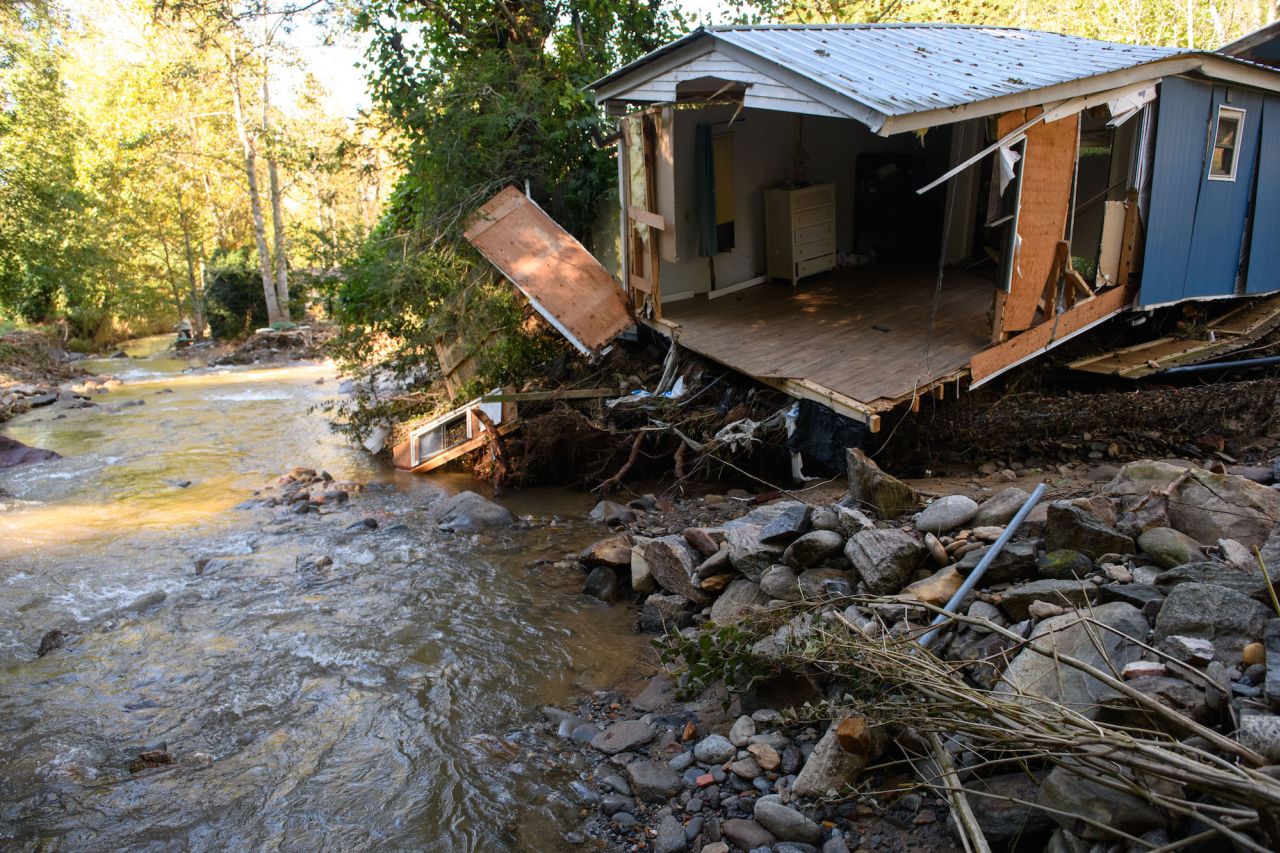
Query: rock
[[741, 732], [746, 768], [1032, 675], [885, 559], [1143, 669], [149, 759], [659, 692], [765, 755], [872, 488], [740, 598], [1254, 654], [1016, 601], [1072, 794], [653, 781], [1261, 733], [746, 834], [714, 749], [818, 584], [946, 514], [1064, 564], [623, 737], [670, 838], [662, 613], [780, 582], [1044, 610], [1168, 547], [1143, 596], [467, 512], [1195, 651], [1000, 508], [1248, 582], [1271, 639], [1008, 815], [1071, 527], [936, 589], [852, 520], [14, 453], [830, 767], [791, 520], [673, 563], [602, 583], [937, 550], [1016, 561], [1205, 506], [703, 541], [1226, 617], [51, 641], [717, 564], [812, 548], [747, 553], [612, 551], [611, 513], [785, 822], [641, 575], [1237, 555], [715, 847]]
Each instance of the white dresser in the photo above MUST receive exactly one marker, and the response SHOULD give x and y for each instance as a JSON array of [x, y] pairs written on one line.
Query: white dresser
[[800, 228]]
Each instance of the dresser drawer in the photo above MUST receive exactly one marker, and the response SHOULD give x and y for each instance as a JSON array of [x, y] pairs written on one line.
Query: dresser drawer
[[812, 197], [823, 215], [809, 233], [815, 265], [815, 248]]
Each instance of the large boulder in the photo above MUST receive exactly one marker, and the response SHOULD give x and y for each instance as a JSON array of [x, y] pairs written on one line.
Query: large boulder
[[467, 512], [885, 559], [947, 513], [1017, 600], [673, 563], [1034, 677], [831, 767], [1015, 561], [1066, 794], [1229, 619], [812, 548], [1071, 527], [780, 582], [1247, 580], [1169, 547], [748, 552], [14, 453], [1205, 506], [612, 551], [791, 520], [1007, 814], [873, 489], [1000, 508], [740, 598]]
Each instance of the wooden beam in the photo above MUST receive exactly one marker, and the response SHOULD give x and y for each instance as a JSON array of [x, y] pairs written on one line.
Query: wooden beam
[[644, 217], [1036, 340], [640, 283], [471, 445], [558, 394]]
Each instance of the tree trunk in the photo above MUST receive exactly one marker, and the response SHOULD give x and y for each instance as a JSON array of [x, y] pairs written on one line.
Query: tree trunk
[[255, 200], [273, 176], [194, 285]]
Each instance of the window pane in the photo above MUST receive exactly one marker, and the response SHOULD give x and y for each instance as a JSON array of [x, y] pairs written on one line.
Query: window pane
[[1227, 127]]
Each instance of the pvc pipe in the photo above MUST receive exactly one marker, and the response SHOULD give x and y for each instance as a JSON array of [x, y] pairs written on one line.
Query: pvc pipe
[[1246, 362], [983, 564]]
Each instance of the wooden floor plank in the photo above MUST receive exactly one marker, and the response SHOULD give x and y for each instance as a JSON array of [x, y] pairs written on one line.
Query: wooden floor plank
[[862, 332]]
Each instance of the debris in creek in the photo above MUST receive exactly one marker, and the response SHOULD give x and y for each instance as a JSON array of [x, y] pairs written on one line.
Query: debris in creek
[[150, 759]]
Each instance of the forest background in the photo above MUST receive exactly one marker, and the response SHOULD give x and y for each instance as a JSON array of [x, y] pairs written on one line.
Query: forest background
[[171, 159]]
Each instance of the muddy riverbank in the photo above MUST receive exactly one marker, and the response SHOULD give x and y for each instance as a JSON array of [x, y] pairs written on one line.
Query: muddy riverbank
[[306, 704]]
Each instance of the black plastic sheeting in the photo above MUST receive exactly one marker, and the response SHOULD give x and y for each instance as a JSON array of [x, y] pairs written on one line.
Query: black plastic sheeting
[[821, 438]]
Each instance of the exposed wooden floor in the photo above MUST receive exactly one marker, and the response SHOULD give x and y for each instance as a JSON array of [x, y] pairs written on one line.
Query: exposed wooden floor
[[861, 333]]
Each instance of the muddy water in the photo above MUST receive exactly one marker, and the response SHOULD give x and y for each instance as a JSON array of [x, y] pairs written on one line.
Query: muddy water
[[359, 706]]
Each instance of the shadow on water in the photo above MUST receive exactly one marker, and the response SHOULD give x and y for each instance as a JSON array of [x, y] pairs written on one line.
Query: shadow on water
[[354, 706]]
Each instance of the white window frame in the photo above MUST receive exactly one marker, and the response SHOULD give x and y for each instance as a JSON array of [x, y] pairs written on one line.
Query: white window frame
[[1238, 114]]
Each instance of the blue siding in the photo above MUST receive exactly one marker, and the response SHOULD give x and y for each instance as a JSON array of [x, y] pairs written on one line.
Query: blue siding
[[1264, 253], [1223, 207], [1181, 138]]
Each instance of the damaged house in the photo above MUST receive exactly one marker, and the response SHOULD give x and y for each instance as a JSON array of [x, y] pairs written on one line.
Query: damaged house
[[861, 215]]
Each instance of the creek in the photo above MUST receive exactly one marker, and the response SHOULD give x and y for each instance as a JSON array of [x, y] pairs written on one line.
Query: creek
[[367, 704]]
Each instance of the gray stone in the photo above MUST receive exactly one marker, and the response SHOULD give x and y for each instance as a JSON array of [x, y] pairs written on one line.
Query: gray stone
[[1034, 676], [1271, 641], [785, 822], [886, 560], [746, 834], [1064, 565], [1000, 508], [1169, 548], [740, 598], [780, 582], [673, 563], [1261, 733], [1226, 617], [946, 514], [825, 518], [830, 768], [1195, 651], [623, 737], [1143, 596], [1003, 819], [871, 488], [659, 692], [662, 613], [611, 513], [612, 551], [653, 781], [1070, 527], [1248, 581], [1073, 794], [602, 583], [1016, 600], [818, 584], [1016, 561], [747, 553], [467, 512], [714, 749], [641, 575], [741, 732], [670, 838], [1205, 506], [812, 548], [791, 520]]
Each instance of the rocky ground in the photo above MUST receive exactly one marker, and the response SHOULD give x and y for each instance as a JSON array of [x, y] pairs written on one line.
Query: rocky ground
[[32, 370], [1148, 572], [269, 346]]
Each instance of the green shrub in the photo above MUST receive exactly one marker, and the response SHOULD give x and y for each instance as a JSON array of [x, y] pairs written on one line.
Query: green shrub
[[234, 304]]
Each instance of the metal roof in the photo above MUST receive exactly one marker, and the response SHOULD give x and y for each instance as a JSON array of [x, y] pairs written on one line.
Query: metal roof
[[898, 69]]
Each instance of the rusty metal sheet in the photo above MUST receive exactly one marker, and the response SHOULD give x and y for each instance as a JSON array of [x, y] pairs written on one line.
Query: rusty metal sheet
[[559, 276]]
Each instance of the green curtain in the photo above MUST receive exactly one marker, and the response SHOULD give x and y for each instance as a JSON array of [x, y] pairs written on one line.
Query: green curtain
[[704, 175]]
